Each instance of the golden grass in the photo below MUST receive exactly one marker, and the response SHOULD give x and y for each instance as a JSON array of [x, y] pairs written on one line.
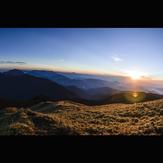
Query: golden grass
[[69, 118]]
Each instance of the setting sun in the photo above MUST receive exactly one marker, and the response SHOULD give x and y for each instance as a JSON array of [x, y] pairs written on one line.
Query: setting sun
[[136, 75]]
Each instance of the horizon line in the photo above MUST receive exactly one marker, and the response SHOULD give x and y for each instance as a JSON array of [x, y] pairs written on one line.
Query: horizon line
[[3, 69]]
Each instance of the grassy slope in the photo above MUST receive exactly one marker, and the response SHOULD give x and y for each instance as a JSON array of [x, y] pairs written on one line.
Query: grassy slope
[[69, 118]]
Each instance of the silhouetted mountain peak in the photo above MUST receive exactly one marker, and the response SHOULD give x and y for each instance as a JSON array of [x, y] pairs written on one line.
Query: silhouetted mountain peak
[[25, 87], [14, 72]]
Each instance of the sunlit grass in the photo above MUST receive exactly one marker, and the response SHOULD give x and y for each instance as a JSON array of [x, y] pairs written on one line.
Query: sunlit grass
[[69, 118]]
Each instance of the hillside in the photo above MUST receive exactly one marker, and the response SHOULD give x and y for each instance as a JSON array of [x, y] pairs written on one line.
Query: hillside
[[25, 87], [69, 118], [131, 97]]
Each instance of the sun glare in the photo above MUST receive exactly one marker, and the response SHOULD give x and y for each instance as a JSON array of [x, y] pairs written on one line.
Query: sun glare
[[135, 75], [135, 94]]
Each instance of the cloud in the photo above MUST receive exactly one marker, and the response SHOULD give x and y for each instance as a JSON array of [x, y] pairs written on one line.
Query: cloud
[[12, 62], [116, 58]]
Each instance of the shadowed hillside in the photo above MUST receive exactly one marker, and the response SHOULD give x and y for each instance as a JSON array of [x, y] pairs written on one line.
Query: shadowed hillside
[[15, 85]]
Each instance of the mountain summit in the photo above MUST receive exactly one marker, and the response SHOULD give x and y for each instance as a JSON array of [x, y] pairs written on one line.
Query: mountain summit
[[14, 72]]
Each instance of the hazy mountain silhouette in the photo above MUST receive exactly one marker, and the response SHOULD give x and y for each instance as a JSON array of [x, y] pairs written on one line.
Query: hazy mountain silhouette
[[93, 93], [15, 85], [87, 83], [13, 72], [50, 75]]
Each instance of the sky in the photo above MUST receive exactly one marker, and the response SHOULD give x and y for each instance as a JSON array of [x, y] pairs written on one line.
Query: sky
[[92, 50]]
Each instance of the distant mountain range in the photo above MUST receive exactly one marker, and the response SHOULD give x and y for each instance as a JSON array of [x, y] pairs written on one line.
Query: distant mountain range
[[84, 83], [30, 87], [93, 93]]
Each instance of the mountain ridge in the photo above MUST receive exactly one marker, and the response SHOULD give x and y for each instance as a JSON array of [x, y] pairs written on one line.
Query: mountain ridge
[[23, 86]]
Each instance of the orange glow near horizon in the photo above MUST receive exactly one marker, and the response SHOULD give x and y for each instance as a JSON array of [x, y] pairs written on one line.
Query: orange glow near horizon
[[136, 75], [135, 94]]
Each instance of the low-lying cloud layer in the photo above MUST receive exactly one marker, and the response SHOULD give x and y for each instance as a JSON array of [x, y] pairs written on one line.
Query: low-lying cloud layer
[[12, 62]]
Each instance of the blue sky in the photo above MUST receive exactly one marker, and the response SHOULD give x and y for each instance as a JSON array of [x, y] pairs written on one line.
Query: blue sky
[[97, 50]]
